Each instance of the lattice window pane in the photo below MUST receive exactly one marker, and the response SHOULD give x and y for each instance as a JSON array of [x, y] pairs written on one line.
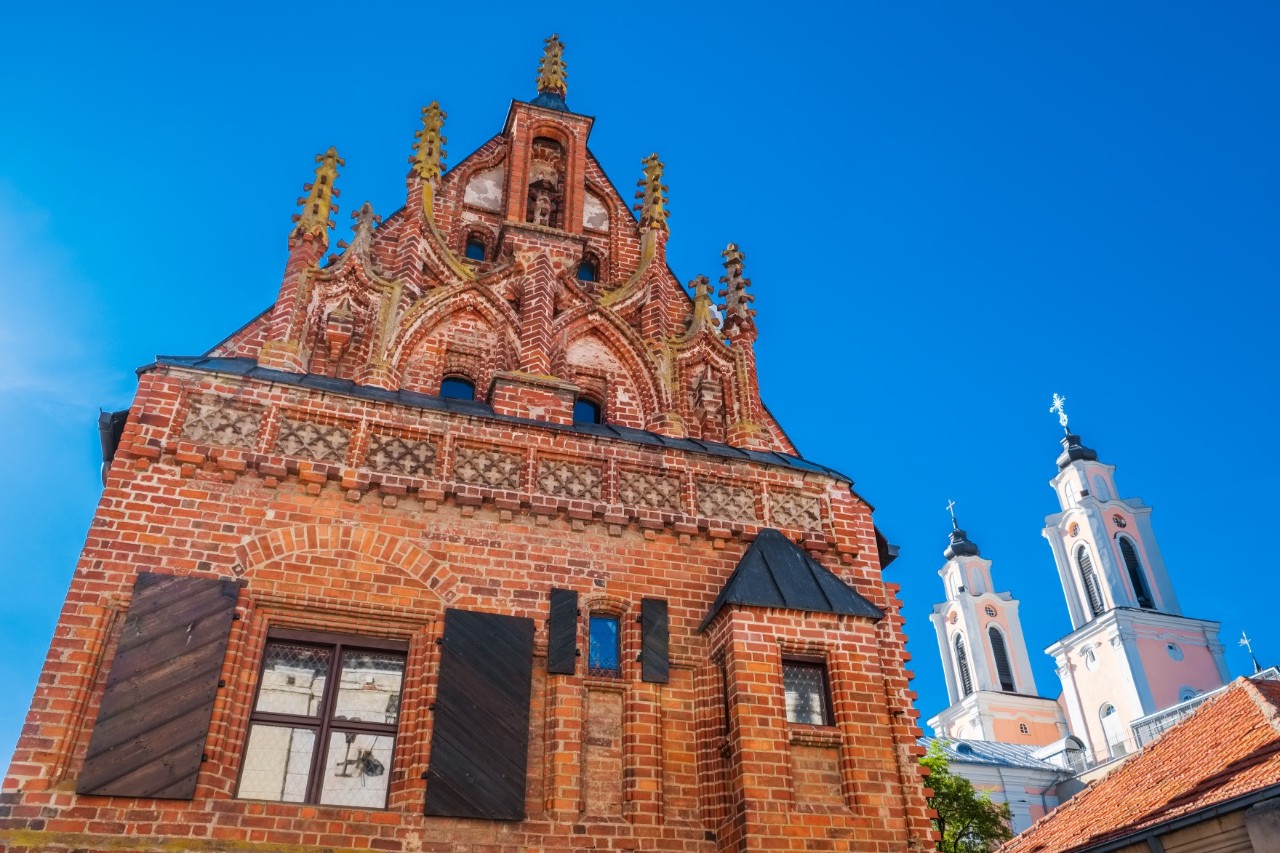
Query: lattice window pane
[[293, 679], [603, 657], [357, 769], [805, 685], [369, 688], [277, 763]]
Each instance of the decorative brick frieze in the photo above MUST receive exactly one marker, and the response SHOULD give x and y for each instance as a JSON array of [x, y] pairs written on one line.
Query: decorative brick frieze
[[215, 420], [396, 455], [492, 469], [310, 440], [721, 500], [569, 479], [795, 510], [649, 490]]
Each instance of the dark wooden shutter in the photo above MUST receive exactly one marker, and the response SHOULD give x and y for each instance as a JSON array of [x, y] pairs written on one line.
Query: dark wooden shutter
[[1004, 671], [653, 634], [962, 664], [1134, 565], [149, 738], [562, 632], [1090, 581], [480, 738]]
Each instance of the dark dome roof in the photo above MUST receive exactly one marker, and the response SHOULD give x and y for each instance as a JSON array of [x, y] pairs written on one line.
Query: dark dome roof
[[960, 546], [1073, 450]]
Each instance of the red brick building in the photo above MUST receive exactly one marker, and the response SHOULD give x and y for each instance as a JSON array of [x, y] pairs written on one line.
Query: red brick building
[[479, 539]]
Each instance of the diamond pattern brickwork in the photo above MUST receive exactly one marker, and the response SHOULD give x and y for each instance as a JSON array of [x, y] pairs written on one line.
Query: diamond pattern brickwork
[[491, 468], [655, 491], [213, 420], [569, 479], [393, 454], [321, 442], [792, 509], [719, 500]]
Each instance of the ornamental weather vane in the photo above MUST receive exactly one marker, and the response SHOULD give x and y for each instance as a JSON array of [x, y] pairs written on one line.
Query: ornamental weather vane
[[1060, 406]]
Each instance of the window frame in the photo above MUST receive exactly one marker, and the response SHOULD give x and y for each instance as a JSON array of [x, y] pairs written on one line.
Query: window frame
[[460, 379], [810, 662], [596, 405], [324, 723], [602, 672]]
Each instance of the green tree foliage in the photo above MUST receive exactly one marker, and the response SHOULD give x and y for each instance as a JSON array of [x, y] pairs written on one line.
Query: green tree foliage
[[967, 819]]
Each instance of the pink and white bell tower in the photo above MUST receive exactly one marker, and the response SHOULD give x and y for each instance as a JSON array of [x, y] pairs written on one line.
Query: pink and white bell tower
[[1131, 651], [984, 657]]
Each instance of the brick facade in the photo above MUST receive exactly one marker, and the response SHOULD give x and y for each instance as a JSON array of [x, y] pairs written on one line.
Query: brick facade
[[309, 459]]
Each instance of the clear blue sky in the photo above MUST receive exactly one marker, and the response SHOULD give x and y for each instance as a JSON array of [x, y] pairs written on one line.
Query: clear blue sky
[[949, 211]]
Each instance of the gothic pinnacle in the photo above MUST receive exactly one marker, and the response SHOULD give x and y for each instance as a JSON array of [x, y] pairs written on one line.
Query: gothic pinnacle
[[429, 153], [552, 75], [652, 195], [738, 312], [318, 207]]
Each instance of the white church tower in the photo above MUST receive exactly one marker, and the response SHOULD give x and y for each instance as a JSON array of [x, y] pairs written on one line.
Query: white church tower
[[984, 657], [1131, 651]]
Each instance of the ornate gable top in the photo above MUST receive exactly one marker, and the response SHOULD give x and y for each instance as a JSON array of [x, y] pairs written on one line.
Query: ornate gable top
[[775, 572]]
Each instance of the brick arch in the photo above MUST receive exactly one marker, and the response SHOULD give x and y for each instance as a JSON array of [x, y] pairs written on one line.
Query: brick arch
[[622, 342], [423, 573], [433, 312]]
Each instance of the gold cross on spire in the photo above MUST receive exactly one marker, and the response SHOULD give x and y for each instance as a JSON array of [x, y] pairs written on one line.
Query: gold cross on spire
[[551, 69]]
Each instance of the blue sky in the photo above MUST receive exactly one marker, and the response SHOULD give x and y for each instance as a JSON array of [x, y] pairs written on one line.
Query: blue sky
[[949, 212]]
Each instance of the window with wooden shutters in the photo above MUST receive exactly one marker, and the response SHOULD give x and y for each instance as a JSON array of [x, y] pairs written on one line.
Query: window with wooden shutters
[[323, 725], [149, 737], [604, 645], [1090, 578], [1001, 654], [1137, 576], [962, 667], [480, 729]]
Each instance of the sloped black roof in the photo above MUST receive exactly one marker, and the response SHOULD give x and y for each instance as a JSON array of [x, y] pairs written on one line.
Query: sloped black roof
[[413, 399], [775, 572]]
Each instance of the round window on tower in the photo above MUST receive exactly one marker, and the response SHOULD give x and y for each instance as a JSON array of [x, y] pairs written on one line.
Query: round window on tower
[[1174, 650], [1118, 521], [989, 610], [1074, 529]]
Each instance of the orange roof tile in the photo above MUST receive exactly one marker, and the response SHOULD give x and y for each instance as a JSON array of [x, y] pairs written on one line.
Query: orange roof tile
[[1228, 748]]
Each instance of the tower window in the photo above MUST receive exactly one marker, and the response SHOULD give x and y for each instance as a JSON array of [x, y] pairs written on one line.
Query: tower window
[[323, 725], [587, 270], [475, 249], [587, 411], [457, 388], [1174, 650], [1024, 728], [604, 653], [989, 610], [1136, 576], [962, 666], [805, 686], [998, 651], [1090, 578]]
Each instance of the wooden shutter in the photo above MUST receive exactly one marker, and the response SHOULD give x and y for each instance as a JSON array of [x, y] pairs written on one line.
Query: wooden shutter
[[149, 738], [962, 664], [1003, 670], [653, 633], [562, 632], [480, 737]]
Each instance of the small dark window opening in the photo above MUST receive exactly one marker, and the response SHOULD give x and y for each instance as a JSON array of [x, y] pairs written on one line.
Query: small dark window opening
[[1136, 576], [1024, 728], [587, 271], [587, 411], [962, 664], [1090, 581], [457, 388], [1003, 670], [475, 249], [604, 650], [807, 696]]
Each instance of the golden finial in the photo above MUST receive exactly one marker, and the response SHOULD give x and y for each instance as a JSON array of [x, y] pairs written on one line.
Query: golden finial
[[319, 205], [428, 158], [551, 69], [652, 195], [738, 312]]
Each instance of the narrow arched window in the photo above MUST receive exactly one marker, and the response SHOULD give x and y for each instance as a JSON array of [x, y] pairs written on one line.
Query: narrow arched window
[[1137, 577], [962, 666], [475, 249], [1090, 578], [998, 651], [587, 411], [587, 270], [1112, 730], [457, 388]]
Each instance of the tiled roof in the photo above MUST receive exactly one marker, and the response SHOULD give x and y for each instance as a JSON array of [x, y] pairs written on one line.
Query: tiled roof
[[413, 399], [775, 572], [1227, 749], [990, 752]]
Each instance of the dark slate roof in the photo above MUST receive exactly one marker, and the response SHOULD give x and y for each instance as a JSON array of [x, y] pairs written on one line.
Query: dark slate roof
[[775, 572], [249, 368]]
